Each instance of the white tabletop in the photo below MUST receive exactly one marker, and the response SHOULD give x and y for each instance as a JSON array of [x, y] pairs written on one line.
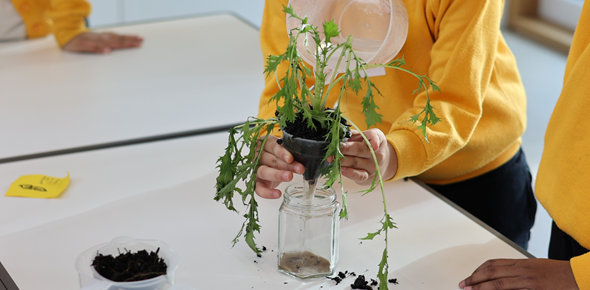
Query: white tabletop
[[165, 191], [190, 74]]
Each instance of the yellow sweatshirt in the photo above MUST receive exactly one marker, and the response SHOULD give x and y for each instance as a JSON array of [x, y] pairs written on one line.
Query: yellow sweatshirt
[[458, 44], [64, 18], [562, 181]]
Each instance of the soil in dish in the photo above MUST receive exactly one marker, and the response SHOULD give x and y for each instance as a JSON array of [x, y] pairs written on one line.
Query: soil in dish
[[129, 266]]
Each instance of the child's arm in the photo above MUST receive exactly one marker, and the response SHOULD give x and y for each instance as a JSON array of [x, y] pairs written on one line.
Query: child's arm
[[71, 33]]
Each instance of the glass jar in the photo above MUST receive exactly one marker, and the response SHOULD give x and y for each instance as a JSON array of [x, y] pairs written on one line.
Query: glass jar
[[308, 232]]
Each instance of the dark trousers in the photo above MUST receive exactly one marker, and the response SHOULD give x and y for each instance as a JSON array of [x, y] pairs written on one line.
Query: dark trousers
[[562, 246], [502, 198]]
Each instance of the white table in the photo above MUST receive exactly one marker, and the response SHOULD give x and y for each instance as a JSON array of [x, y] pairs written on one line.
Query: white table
[[165, 191], [104, 176], [190, 74]]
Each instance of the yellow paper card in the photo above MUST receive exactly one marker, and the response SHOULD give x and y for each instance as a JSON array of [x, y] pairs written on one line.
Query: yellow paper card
[[38, 186]]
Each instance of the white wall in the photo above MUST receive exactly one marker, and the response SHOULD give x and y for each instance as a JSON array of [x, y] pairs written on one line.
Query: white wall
[[115, 12], [562, 12]]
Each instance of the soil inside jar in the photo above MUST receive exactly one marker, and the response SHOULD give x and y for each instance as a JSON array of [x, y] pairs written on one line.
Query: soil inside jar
[[129, 266], [305, 263]]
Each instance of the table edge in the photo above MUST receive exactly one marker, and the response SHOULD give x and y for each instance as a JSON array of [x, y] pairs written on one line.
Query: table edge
[[473, 218], [135, 141]]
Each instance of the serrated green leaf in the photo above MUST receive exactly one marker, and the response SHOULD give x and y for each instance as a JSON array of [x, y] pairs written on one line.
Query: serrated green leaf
[[272, 62], [398, 62], [330, 30], [388, 222], [372, 118], [371, 236], [289, 10], [434, 87]]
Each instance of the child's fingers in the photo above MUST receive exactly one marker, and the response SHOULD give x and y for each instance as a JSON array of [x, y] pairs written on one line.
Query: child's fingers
[[98, 47], [121, 41], [265, 189], [358, 149], [357, 175], [272, 147], [273, 161], [271, 174], [366, 164]]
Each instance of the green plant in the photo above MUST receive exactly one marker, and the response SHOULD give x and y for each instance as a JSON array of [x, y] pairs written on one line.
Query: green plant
[[241, 159]]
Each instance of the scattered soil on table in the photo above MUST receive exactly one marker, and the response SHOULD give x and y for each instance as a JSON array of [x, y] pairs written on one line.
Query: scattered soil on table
[[360, 282], [336, 279], [341, 276], [299, 128], [129, 266], [304, 262]]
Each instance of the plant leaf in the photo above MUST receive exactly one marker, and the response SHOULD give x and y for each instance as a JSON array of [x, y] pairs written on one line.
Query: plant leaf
[[330, 30]]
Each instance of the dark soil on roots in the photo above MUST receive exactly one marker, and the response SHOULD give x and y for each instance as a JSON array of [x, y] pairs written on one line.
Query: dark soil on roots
[[299, 128], [129, 267]]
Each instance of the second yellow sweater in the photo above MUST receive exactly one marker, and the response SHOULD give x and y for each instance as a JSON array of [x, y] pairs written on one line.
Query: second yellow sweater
[[562, 181]]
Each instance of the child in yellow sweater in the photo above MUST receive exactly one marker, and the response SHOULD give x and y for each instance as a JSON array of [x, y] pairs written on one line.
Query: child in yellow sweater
[[474, 156], [562, 188], [65, 19]]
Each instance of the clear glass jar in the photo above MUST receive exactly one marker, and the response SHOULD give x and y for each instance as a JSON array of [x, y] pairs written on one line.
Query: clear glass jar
[[308, 232]]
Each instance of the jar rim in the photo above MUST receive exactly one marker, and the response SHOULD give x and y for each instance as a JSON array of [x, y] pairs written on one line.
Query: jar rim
[[323, 196]]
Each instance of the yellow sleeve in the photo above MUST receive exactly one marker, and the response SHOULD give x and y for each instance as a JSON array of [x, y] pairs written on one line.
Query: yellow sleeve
[[562, 180], [463, 55], [581, 268], [68, 19]]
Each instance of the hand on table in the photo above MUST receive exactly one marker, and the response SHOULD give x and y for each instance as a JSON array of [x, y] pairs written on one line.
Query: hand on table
[[276, 165], [358, 163], [531, 274], [105, 42]]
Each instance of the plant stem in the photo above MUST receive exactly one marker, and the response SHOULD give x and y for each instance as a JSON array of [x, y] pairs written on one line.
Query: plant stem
[[385, 266]]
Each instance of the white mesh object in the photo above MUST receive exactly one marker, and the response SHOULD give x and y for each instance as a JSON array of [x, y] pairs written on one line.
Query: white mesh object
[[379, 27]]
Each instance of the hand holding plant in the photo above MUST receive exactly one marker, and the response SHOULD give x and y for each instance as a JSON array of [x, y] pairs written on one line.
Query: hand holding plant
[[358, 163], [277, 165]]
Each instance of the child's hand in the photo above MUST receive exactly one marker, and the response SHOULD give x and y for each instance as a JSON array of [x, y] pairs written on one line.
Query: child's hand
[[276, 165], [93, 42], [533, 274], [358, 163]]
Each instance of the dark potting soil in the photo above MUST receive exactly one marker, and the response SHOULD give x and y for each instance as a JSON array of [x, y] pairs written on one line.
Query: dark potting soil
[[360, 282], [341, 276], [299, 128], [129, 267]]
